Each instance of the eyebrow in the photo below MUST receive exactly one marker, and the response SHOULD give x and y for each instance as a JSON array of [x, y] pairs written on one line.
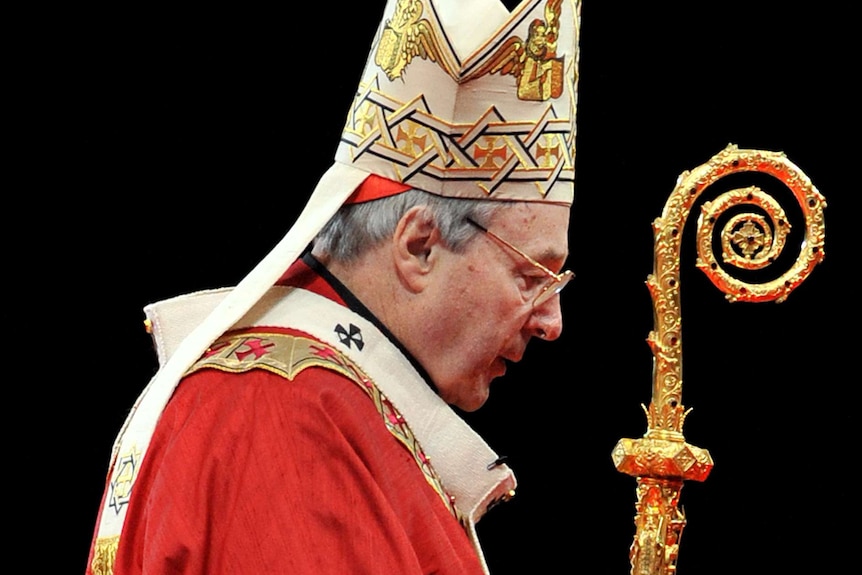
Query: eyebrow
[[551, 254]]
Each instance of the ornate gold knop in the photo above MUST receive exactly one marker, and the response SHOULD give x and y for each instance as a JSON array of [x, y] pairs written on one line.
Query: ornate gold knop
[[661, 460]]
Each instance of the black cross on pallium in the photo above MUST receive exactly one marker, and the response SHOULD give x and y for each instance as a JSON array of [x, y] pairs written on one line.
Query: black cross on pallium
[[354, 335]]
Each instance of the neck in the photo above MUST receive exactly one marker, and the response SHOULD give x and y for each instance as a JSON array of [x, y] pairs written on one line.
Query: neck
[[372, 283]]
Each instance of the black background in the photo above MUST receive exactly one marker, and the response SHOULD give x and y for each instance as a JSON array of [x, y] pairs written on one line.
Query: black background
[[168, 150]]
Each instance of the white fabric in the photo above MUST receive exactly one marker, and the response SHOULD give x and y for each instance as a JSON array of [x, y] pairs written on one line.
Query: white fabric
[[172, 320], [469, 23]]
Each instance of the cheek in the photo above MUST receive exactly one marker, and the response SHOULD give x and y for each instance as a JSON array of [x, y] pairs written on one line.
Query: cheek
[[473, 284], [492, 287], [489, 300], [498, 314]]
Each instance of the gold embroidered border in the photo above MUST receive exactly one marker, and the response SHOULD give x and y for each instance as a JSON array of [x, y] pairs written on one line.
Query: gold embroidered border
[[104, 554]]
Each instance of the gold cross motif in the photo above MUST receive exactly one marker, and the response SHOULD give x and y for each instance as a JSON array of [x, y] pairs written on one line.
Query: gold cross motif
[[487, 156], [413, 144], [546, 152], [749, 239], [365, 119]]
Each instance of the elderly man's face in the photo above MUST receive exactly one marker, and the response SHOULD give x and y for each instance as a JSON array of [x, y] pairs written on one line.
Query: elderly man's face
[[486, 300]]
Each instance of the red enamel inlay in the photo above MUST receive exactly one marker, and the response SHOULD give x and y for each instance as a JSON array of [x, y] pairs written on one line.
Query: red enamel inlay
[[255, 347], [214, 349]]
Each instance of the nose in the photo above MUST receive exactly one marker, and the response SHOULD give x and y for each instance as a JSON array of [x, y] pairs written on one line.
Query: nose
[[546, 321]]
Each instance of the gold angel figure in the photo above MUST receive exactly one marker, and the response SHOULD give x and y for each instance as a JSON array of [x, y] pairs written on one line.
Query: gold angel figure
[[404, 37], [533, 62]]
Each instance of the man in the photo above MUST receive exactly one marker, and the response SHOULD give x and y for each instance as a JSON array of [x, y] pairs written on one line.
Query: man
[[301, 422]]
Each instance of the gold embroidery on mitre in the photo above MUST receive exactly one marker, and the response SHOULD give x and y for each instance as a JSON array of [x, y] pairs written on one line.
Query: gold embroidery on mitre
[[404, 37], [104, 555], [533, 62], [288, 355], [415, 142], [491, 156], [412, 139], [502, 127]]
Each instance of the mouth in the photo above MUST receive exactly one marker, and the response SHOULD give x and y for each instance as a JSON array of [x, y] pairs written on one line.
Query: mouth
[[501, 363], [513, 357], [498, 367]]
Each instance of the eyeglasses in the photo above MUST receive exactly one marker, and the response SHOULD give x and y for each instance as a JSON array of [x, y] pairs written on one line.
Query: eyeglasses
[[555, 282]]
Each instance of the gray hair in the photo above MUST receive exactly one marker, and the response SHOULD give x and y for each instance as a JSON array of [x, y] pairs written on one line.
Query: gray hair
[[357, 227]]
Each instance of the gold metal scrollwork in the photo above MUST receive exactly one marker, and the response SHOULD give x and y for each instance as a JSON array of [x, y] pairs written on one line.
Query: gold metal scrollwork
[[661, 460]]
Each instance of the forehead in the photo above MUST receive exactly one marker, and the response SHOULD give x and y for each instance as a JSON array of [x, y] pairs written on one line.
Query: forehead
[[539, 229]]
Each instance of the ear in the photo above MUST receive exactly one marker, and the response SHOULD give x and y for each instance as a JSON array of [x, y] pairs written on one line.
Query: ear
[[416, 244]]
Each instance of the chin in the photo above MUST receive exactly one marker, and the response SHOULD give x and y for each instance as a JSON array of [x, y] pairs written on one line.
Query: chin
[[474, 401], [467, 394]]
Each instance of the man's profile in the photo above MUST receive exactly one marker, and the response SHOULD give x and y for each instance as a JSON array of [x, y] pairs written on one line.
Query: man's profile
[[305, 420]]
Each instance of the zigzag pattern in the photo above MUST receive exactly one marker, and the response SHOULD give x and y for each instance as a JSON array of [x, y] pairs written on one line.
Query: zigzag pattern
[[490, 151]]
